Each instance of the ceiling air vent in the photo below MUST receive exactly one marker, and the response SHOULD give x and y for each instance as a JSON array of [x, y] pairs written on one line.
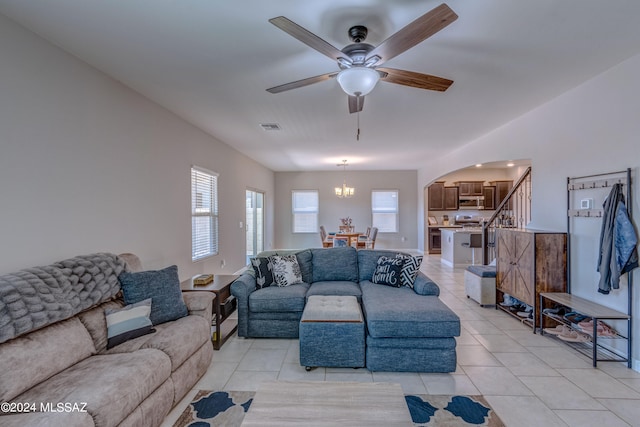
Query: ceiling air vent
[[270, 126]]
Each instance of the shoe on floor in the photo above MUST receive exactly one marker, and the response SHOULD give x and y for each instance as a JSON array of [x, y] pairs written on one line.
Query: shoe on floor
[[558, 330], [574, 336]]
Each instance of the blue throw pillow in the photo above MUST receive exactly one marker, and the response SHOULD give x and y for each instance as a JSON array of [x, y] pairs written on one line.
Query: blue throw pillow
[[388, 272], [127, 323], [162, 286]]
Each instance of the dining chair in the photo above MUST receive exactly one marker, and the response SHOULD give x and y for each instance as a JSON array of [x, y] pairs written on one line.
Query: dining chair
[[371, 241], [362, 239], [324, 237]]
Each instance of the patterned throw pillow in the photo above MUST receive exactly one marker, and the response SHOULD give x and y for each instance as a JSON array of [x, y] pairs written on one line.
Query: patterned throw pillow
[[264, 272], [388, 271], [286, 270], [409, 269], [127, 323]]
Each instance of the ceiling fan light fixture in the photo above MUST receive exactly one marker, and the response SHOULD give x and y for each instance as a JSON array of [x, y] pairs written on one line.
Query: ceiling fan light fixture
[[358, 81]]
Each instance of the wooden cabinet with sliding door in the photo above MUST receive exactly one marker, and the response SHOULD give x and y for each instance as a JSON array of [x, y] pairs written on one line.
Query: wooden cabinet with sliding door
[[530, 262]]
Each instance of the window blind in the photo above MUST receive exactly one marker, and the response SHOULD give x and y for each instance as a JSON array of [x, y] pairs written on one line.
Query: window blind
[[384, 210], [305, 211], [204, 213]]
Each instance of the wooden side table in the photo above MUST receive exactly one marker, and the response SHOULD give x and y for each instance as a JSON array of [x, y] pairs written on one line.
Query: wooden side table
[[221, 288]]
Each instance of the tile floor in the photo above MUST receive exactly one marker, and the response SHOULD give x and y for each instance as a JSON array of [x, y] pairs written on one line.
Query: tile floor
[[529, 380]]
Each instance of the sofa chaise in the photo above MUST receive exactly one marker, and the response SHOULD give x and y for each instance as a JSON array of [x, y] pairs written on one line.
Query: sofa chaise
[[407, 328], [54, 356]]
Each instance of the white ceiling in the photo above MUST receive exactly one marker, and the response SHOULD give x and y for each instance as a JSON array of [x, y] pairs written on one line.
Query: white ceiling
[[210, 61]]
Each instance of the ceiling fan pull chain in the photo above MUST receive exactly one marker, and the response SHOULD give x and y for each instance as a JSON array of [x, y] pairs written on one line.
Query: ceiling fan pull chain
[[358, 125]]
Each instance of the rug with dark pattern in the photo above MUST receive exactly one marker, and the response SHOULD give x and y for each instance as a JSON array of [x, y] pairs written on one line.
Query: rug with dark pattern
[[227, 408]]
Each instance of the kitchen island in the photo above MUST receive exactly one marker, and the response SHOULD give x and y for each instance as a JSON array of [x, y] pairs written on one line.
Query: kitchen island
[[453, 253]]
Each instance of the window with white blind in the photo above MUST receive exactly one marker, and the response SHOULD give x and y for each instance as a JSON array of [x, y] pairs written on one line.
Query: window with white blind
[[384, 210], [204, 213], [305, 211]]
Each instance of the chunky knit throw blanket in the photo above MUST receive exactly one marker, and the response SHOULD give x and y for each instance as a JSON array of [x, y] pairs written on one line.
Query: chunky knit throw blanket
[[36, 297]]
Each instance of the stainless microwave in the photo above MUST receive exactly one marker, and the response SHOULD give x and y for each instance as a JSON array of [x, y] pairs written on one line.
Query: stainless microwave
[[471, 202]]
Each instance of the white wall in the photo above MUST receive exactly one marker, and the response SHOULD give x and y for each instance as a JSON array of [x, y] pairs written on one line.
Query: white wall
[[591, 129], [88, 165], [357, 207]]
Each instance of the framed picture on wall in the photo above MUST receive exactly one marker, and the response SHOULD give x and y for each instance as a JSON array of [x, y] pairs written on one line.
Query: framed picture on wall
[[433, 220]]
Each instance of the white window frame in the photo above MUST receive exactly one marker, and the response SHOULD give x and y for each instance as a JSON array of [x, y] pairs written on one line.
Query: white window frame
[[375, 210], [312, 227], [204, 205]]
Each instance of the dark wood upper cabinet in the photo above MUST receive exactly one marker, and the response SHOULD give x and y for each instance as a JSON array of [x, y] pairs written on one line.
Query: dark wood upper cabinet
[[436, 196], [489, 193], [451, 198], [471, 188], [502, 189]]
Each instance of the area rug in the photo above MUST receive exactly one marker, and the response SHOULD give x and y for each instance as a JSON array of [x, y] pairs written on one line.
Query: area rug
[[227, 408]]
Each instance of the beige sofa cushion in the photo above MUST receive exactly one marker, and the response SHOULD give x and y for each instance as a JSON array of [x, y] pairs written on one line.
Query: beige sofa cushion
[[112, 385], [178, 339], [28, 360], [48, 419]]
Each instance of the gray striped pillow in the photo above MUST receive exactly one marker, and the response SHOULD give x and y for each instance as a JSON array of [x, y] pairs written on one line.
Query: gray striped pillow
[[127, 323]]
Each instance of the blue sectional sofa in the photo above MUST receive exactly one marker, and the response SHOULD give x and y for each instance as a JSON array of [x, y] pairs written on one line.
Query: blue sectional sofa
[[406, 329]]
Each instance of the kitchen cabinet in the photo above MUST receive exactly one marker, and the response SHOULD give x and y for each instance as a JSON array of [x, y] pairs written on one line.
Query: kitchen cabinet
[[435, 243], [470, 188], [502, 189], [527, 263], [489, 193], [451, 198], [436, 196]]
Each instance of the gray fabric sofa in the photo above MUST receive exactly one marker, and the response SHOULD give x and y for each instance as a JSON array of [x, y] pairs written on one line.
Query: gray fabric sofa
[[407, 329], [53, 354]]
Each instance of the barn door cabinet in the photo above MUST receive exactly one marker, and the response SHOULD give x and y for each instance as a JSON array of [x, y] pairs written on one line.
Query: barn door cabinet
[[529, 262]]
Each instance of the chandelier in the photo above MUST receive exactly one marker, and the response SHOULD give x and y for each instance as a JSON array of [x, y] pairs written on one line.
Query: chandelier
[[344, 191]]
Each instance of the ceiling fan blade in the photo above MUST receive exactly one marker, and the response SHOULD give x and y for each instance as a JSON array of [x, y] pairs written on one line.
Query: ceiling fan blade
[[356, 103], [308, 38], [413, 79], [301, 83], [414, 33]]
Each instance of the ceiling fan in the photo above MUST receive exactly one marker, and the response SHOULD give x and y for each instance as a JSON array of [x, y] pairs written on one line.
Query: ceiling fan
[[360, 62]]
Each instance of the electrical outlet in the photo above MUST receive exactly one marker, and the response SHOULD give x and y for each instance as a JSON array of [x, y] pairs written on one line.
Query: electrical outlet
[[223, 263], [241, 225]]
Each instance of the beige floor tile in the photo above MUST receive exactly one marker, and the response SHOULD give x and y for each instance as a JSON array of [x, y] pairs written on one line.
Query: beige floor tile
[[216, 376], [525, 364], [584, 418], [411, 382], [449, 384], [480, 327], [273, 343], [560, 357], [475, 355], [564, 394], [627, 409], [500, 343], [527, 338], [359, 375], [466, 338], [524, 411], [599, 384], [634, 383], [249, 380], [295, 372], [262, 360], [293, 353], [618, 370], [496, 381]]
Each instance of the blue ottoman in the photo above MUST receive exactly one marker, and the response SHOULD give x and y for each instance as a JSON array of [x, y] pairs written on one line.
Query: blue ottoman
[[332, 332]]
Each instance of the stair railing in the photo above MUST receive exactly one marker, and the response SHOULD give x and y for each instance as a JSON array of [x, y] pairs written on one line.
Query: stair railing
[[513, 212]]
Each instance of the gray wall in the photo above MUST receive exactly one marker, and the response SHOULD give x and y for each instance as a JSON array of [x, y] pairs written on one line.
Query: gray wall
[[88, 165], [357, 207]]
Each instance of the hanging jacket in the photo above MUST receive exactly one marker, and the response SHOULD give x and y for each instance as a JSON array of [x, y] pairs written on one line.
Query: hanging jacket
[[618, 242]]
